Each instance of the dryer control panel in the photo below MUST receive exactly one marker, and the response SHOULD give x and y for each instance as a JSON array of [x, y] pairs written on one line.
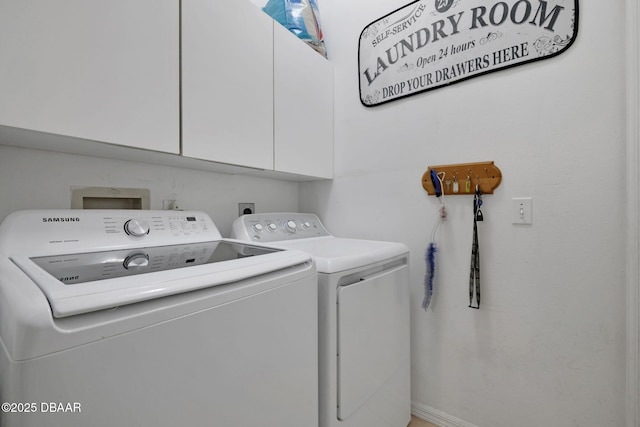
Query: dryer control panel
[[274, 227]]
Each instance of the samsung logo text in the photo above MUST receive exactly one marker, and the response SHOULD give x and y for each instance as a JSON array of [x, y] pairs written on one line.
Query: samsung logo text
[[62, 219]]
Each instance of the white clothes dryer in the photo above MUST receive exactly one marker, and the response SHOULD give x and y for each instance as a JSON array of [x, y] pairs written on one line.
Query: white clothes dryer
[[151, 318], [363, 296]]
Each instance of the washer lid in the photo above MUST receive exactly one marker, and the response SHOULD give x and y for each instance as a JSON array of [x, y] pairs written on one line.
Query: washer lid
[[85, 282], [334, 254]]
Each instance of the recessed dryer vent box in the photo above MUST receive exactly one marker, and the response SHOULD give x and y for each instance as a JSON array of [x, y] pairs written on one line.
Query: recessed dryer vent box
[[110, 198]]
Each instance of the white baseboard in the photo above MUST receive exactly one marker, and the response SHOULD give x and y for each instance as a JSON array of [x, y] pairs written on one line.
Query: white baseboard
[[437, 417]]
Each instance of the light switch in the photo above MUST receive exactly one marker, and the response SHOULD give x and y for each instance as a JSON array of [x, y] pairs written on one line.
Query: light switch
[[522, 210]]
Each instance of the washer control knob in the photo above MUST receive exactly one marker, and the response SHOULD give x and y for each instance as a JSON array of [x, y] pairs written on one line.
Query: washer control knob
[[258, 228], [272, 227], [136, 260], [290, 226], [136, 227], [306, 225]]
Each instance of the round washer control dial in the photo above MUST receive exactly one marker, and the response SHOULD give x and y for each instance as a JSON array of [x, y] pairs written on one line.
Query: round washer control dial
[[272, 227], [136, 227], [136, 260], [306, 225], [258, 228]]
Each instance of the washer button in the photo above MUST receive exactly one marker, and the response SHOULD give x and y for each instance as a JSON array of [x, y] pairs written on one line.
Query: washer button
[[136, 227], [136, 260]]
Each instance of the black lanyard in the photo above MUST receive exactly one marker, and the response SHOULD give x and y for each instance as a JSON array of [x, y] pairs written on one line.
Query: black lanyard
[[474, 275]]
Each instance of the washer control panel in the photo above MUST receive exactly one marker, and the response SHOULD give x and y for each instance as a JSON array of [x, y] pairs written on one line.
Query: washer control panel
[[157, 224], [70, 231], [273, 227]]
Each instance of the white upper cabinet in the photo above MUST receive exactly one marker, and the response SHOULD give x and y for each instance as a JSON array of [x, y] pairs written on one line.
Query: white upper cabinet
[[227, 82], [253, 94], [99, 70], [213, 80], [303, 99]]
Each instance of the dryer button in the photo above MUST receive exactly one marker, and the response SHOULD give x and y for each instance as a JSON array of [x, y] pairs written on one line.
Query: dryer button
[[290, 226]]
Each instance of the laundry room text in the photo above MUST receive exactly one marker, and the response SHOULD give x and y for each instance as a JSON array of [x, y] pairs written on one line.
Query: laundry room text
[[433, 43]]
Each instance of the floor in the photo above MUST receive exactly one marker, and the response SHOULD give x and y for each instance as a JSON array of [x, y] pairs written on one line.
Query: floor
[[417, 422]]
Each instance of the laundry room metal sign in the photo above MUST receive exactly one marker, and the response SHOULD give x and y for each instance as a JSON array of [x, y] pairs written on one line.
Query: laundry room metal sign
[[429, 44]]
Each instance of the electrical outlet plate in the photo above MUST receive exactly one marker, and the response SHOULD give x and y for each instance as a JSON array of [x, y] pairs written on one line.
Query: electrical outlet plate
[[246, 208], [522, 210], [171, 205]]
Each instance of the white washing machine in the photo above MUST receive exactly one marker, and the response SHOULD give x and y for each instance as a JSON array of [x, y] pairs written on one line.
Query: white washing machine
[[363, 291], [151, 318]]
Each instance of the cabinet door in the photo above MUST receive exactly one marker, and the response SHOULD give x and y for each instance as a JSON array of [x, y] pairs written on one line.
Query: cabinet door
[[93, 69], [227, 82], [303, 99]]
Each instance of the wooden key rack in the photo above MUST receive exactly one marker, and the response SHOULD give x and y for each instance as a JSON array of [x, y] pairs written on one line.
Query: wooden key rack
[[484, 174]]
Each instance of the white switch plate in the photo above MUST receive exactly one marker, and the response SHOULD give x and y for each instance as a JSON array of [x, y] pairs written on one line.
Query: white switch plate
[[522, 210]]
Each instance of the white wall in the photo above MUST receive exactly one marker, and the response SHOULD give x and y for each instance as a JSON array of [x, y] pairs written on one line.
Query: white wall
[[547, 346], [35, 179], [633, 212]]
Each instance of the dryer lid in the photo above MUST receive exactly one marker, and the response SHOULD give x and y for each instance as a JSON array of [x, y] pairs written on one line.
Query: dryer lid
[[335, 254]]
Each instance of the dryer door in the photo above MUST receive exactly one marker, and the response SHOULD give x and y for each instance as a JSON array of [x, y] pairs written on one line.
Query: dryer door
[[373, 337]]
